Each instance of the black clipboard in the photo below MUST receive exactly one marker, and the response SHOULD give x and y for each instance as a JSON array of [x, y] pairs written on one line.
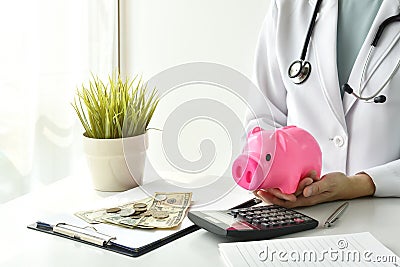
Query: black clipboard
[[110, 244], [90, 236]]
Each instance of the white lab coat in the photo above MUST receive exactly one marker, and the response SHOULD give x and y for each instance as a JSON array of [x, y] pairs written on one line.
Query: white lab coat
[[354, 136]]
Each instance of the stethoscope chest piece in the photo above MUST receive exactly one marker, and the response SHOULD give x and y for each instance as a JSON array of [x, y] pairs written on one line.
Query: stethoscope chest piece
[[299, 71]]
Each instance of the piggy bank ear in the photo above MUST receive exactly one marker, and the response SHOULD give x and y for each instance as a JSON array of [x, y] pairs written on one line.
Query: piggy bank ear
[[281, 139], [255, 130]]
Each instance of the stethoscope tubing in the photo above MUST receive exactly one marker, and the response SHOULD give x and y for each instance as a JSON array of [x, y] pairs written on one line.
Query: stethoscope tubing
[[310, 30], [301, 74], [360, 88]]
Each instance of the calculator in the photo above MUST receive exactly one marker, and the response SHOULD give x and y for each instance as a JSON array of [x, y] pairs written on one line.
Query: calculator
[[253, 223]]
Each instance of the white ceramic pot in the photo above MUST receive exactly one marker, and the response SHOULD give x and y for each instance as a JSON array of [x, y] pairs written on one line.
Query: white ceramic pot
[[116, 164]]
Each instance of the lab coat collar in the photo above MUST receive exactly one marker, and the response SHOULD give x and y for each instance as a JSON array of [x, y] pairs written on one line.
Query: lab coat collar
[[324, 49], [386, 43]]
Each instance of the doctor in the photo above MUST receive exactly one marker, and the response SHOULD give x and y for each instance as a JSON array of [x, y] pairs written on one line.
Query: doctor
[[334, 85]]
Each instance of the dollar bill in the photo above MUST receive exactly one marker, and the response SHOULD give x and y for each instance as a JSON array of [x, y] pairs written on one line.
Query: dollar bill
[[97, 216], [127, 222], [175, 204], [90, 216]]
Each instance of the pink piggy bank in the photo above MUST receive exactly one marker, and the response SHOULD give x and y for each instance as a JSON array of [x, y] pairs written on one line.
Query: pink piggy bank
[[277, 159]]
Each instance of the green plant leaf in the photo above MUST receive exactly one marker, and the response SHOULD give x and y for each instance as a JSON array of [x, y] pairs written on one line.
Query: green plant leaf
[[116, 107]]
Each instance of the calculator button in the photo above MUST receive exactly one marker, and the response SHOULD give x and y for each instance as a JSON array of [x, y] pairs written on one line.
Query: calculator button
[[265, 225], [256, 221], [234, 213], [242, 214], [249, 219], [298, 220], [275, 223]]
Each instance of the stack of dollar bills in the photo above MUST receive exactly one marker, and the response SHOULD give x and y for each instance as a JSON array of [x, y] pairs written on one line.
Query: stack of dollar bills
[[163, 210]]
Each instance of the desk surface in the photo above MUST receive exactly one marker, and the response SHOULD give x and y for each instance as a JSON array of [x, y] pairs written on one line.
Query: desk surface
[[23, 247]]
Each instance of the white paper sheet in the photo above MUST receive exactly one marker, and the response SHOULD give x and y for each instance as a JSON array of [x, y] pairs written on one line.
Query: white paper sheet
[[359, 249]]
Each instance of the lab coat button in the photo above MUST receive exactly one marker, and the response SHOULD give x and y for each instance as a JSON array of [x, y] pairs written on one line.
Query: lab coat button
[[339, 141]]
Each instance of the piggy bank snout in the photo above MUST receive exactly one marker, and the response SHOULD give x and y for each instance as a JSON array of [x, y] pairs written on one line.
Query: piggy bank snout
[[247, 172]]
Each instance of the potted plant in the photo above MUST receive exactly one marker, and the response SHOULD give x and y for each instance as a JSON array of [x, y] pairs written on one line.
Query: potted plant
[[115, 115]]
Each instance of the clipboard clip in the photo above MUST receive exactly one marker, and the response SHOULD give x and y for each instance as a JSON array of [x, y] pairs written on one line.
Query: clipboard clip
[[88, 233]]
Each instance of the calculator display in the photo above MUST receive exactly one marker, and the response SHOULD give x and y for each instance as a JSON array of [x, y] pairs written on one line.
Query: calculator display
[[226, 220]]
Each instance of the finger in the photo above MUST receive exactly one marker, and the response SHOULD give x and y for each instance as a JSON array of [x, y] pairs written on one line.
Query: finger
[[312, 200], [301, 201], [278, 193], [313, 175], [316, 188], [269, 198], [264, 196], [303, 183]]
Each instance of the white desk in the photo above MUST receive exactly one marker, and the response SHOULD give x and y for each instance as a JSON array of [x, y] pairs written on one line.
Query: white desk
[[20, 246]]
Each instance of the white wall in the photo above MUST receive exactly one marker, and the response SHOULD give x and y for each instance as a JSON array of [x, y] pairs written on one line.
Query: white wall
[[163, 33], [159, 34]]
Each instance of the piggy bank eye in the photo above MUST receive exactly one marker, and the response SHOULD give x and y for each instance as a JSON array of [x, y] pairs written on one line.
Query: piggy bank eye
[[268, 157]]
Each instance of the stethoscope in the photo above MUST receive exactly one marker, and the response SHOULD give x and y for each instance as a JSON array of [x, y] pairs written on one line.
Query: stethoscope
[[300, 70]]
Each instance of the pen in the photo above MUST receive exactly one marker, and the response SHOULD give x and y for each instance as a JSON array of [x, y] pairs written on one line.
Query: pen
[[335, 215]]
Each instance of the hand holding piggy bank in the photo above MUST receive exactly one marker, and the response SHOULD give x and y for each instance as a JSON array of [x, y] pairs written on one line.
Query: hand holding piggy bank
[[277, 159]]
